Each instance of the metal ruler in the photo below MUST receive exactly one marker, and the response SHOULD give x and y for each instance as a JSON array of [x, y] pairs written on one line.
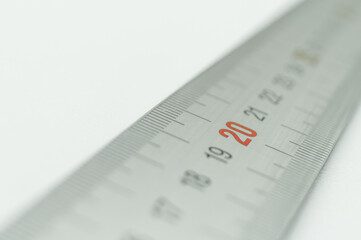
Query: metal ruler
[[232, 154]]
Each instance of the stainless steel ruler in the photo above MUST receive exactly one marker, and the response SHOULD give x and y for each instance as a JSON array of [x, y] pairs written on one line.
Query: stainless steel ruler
[[230, 155]]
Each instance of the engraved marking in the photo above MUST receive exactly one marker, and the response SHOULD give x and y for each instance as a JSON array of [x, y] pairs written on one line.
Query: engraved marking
[[154, 144], [117, 188], [241, 202], [152, 162], [292, 129], [297, 144], [165, 117], [263, 175], [197, 116], [279, 165], [279, 150], [307, 112], [218, 98], [202, 104], [174, 136]]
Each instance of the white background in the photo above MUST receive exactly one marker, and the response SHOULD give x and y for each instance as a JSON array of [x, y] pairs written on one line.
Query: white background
[[75, 73]]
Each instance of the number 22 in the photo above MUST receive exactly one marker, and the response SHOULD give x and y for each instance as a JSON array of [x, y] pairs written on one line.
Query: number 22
[[237, 128]]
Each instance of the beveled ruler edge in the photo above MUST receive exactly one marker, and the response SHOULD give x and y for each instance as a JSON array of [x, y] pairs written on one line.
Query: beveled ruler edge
[[319, 149], [297, 216]]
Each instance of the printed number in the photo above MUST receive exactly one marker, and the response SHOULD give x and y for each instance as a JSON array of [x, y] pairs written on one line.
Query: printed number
[[296, 69], [306, 56], [166, 210], [284, 82], [249, 132], [260, 115], [271, 96], [195, 180], [218, 154]]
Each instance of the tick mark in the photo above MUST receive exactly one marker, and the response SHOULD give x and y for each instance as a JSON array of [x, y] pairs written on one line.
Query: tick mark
[[297, 144], [174, 136], [165, 117], [279, 165], [117, 188], [197, 116], [292, 129], [202, 104], [263, 175], [307, 112], [150, 161], [218, 98], [158, 121], [279, 150], [170, 107], [178, 122]]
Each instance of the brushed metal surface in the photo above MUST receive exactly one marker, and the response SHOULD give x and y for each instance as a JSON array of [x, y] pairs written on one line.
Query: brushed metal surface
[[174, 175]]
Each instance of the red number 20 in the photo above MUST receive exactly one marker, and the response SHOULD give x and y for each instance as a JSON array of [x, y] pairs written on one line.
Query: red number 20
[[237, 128]]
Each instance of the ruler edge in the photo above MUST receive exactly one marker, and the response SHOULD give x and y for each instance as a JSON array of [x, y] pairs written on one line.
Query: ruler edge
[[286, 229], [243, 48]]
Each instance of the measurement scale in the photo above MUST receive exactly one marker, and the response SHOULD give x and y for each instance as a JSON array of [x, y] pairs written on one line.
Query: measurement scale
[[232, 154]]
